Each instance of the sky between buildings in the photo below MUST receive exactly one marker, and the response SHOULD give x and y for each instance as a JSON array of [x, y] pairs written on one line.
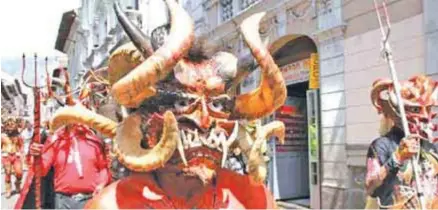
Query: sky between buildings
[[30, 26]]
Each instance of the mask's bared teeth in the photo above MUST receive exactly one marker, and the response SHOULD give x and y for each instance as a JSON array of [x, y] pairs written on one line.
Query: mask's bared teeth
[[196, 139], [181, 151], [190, 139], [184, 138], [224, 154], [196, 134], [233, 135], [210, 139], [222, 138]]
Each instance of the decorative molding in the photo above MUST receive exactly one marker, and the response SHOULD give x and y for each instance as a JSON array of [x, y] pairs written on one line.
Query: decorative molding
[[208, 4], [302, 10], [268, 27], [336, 31], [325, 6]]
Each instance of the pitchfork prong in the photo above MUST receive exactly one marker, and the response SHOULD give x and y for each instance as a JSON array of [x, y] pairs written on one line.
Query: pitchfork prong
[[22, 73]]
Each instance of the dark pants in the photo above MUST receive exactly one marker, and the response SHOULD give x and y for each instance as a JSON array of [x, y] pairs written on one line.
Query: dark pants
[[69, 202]]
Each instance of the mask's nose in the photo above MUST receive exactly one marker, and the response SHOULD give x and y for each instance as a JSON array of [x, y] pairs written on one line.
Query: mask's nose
[[205, 116], [201, 116]]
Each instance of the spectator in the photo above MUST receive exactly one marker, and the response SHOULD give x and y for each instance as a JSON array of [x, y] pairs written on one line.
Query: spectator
[[80, 165]]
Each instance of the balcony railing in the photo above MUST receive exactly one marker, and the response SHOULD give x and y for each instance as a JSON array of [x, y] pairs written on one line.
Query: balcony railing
[[226, 9]]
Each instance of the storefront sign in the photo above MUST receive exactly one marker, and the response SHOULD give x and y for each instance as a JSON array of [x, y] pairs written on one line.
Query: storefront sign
[[296, 72], [314, 71], [293, 115]]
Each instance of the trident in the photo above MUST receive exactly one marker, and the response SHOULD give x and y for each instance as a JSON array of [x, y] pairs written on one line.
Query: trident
[[387, 53], [36, 129]]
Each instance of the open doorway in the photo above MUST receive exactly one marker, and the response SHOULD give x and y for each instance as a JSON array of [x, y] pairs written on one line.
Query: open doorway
[[290, 180]]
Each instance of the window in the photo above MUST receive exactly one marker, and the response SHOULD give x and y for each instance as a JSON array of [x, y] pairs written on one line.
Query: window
[[226, 9]]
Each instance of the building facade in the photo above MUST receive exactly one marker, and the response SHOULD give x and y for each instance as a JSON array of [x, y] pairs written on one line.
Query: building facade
[[88, 35], [346, 37], [16, 98]]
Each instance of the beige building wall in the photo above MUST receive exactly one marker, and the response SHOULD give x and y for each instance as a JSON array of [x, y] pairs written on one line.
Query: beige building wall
[[364, 64], [347, 36]]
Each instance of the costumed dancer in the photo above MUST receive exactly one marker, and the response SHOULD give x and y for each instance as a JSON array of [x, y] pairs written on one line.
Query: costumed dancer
[[390, 177], [12, 145], [78, 160], [182, 121]]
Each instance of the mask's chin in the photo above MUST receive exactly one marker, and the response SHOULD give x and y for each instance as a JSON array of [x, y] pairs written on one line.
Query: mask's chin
[[201, 171]]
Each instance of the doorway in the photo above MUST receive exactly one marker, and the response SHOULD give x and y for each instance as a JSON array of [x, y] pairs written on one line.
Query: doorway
[[290, 179]]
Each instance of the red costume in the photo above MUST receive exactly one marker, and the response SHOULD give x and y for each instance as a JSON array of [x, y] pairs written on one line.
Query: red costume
[[143, 192], [79, 167], [61, 154], [12, 152]]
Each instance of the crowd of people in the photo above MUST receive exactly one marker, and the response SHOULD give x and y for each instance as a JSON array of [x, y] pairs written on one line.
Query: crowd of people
[[163, 127]]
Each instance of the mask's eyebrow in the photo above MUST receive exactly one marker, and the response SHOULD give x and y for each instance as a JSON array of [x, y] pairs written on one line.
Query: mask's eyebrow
[[162, 94], [221, 97]]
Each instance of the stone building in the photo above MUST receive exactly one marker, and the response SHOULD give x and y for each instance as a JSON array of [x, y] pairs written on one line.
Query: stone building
[[345, 36]]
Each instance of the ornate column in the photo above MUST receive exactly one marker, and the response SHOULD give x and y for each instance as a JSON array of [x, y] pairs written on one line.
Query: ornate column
[[330, 41]]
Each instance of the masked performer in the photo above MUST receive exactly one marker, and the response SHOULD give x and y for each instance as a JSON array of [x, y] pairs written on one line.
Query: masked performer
[[182, 121], [78, 160], [12, 152], [390, 177]]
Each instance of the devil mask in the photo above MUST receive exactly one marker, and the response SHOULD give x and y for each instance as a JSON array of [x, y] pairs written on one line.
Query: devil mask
[[419, 95], [181, 112]]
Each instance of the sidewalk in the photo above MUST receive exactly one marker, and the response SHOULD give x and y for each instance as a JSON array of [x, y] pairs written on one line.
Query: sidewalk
[[287, 205]]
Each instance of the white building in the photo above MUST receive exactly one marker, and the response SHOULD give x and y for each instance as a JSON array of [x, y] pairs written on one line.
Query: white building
[[16, 98], [90, 33]]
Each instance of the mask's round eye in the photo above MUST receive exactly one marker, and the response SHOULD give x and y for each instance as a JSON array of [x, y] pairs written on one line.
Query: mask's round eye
[[183, 103], [413, 109], [216, 106]]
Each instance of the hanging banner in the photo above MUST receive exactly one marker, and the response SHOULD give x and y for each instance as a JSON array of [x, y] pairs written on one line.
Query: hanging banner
[[314, 71]]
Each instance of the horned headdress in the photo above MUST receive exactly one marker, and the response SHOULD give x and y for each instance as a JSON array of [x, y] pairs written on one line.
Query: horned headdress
[[144, 74]]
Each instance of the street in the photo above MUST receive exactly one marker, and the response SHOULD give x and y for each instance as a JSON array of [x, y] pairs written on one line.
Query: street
[[9, 203]]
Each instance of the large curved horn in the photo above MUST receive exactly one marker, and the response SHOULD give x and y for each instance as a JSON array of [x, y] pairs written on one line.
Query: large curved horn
[[127, 144], [67, 88], [81, 115], [271, 94], [138, 38], [138, 84], [256, 164], [379, 86]]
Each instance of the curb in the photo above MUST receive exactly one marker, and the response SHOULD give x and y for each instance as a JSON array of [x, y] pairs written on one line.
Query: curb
[[286, 205]]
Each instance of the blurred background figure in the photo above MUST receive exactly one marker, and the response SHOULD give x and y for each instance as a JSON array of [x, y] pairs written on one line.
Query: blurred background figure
[[12, 153]]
